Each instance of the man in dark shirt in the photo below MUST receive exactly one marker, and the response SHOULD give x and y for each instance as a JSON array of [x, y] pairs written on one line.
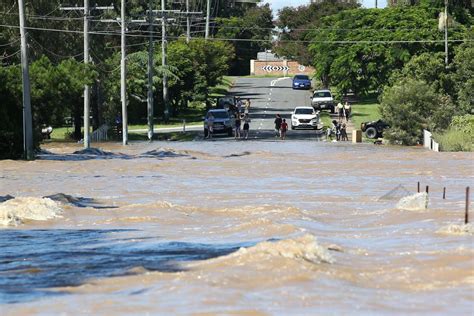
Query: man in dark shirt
[[277, 122]]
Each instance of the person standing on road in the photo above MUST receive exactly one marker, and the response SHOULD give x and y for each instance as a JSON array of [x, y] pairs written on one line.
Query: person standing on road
[[210, 125], [277, 122], [344, 132], [246, 126], [237, 126], [247, 106], [347, 111], [239, 105], [283, 129], [340, 111]]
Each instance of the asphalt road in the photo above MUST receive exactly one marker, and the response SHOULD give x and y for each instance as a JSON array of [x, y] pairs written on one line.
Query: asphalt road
[[268, 97]]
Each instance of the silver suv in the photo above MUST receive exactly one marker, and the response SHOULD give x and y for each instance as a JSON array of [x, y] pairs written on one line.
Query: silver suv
[[322, 100], [223, 122]]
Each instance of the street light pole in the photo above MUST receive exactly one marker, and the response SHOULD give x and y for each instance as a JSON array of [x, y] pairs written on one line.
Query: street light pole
[[87, 143], [208, 16], [164, 60]]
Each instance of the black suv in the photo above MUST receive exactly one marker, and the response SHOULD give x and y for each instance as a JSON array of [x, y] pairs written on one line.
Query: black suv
[[373, 129]]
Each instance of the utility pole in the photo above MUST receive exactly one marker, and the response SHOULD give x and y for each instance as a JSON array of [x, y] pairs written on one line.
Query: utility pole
[[86, 61], [27, 117], [376, 4], [208, 15], [188, 23], [164, 60], [150, 18], [87, 143], [446, 33], [150, 73], [123, 73]]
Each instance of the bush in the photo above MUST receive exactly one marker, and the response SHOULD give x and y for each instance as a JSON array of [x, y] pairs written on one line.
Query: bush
[[459, 136], [411, 105]]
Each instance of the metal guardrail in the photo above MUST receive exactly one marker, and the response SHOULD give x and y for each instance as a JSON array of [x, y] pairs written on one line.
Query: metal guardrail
[[99, 135], [429, 142]]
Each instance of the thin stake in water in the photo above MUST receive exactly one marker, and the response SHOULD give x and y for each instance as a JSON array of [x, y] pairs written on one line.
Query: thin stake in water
[[444, 193], [418, 186], [466, 216]]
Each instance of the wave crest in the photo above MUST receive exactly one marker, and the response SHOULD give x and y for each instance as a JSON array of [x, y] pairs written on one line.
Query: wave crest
[[415, 202], [15, 211], [454, 229]]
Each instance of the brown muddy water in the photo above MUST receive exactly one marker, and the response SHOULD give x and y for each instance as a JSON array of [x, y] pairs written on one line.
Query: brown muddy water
[[256, 227]]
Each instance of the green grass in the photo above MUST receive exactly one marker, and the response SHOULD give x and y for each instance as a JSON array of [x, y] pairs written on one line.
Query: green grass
[[364, 112], [454, 140]]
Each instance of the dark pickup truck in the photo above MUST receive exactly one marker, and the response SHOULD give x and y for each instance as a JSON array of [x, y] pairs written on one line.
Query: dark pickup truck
[[373, 129]]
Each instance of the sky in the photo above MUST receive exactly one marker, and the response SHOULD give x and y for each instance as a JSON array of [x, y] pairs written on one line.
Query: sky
[[278, 4]]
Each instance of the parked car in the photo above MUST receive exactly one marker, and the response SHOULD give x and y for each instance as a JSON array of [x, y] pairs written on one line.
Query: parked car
[[305, 117], [223, 122], [301, 82], [373, 129], [323, 100]]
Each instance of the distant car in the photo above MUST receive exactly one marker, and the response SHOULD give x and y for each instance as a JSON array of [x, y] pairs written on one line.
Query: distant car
[[323, 100], [304, 117], [223, 122], [373, 129], [301, 82]]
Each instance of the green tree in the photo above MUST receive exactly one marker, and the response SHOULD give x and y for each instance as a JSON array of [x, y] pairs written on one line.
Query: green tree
[[296, 23], [359, 49], [464, 78], [249, 35], [411, 105]]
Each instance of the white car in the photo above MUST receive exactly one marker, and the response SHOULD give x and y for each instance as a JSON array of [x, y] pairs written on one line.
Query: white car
[[305, 117], [323, 100]]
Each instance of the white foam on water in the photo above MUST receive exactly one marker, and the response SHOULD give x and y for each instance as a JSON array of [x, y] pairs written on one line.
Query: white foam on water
[[15, 211], [454, 229], [304, 248], [415, 202]]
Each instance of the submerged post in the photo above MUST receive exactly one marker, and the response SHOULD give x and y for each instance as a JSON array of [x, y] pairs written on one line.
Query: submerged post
[[427, 189], [466, 216], [418, 186], [444, 193]]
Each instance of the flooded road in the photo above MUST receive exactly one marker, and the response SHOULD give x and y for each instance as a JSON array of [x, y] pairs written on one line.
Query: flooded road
[[246, 227]]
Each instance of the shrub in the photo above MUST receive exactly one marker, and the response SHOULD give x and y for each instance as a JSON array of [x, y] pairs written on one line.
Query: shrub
[[459, 136]]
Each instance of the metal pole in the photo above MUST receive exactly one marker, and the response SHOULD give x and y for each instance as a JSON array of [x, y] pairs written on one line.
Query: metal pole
[[150, 73], [466, 216], [418, 186], [444, 193], [446, 33], [208, 14], [164, 60], [188, 23], [27, 117], [376, 4], [86, 87], [123, 85]]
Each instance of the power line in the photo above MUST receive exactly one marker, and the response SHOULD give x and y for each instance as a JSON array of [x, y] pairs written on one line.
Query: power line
[[106, 33]]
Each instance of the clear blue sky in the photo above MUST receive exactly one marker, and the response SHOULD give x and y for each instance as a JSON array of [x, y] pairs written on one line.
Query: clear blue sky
[[278, 4]]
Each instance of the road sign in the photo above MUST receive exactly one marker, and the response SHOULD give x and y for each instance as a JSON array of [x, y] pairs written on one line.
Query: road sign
[[270, 68]]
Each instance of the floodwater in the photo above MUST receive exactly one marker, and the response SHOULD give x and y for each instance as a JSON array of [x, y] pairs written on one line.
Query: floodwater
[[251, 227]]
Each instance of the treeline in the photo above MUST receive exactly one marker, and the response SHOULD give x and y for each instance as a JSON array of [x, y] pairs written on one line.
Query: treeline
[[396, 53], [58, 75]]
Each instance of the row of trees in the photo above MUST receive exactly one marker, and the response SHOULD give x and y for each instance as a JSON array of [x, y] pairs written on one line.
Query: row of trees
[[58, 74]]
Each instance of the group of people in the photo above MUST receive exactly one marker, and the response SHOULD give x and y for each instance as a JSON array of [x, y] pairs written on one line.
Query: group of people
[[344, 111], [241, 114], [339, 130], [281, 127]]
